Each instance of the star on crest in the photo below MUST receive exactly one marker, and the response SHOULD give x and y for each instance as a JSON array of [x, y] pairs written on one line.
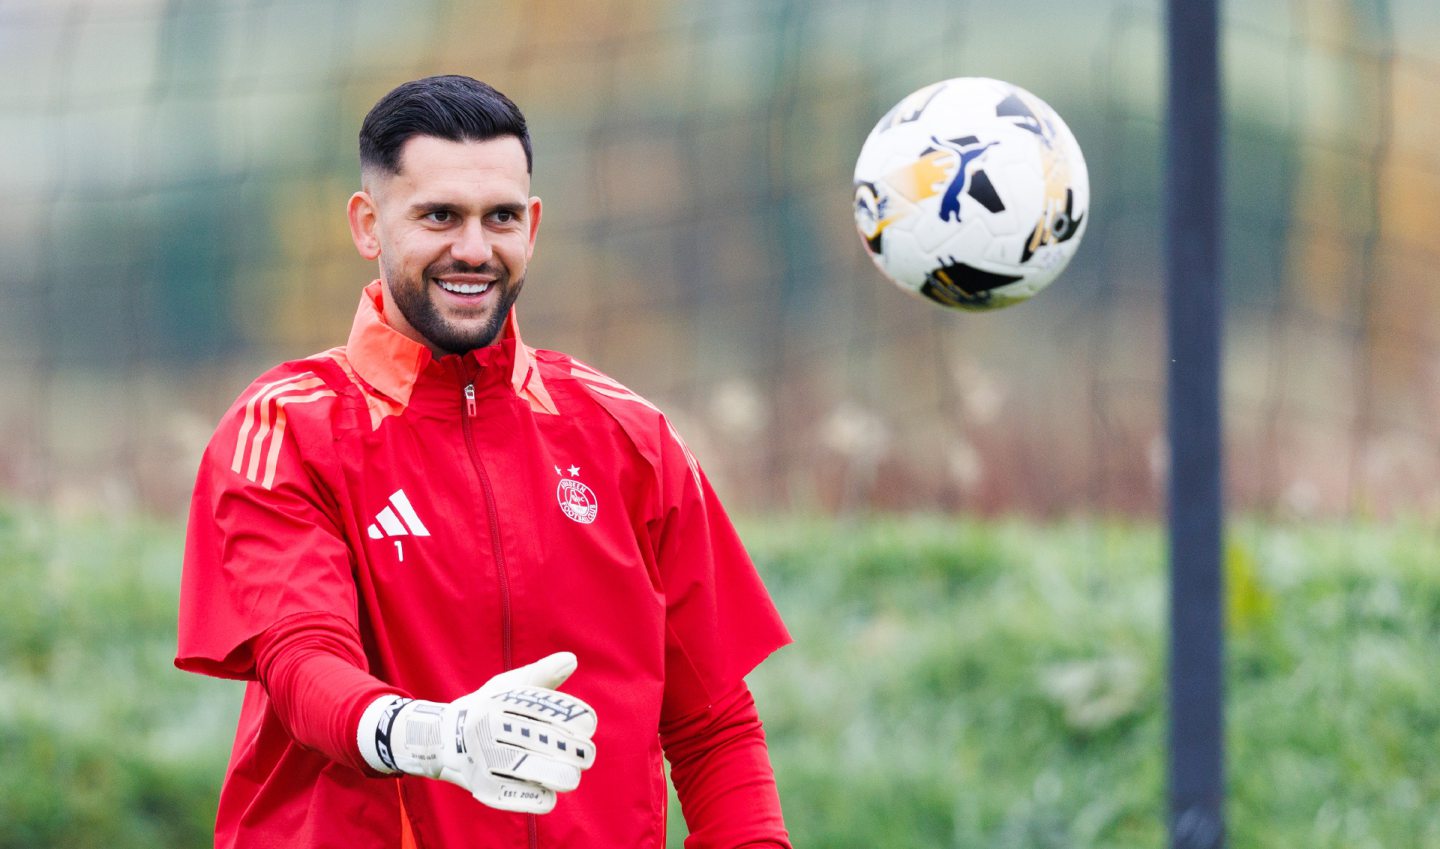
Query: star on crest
[[574, 471]]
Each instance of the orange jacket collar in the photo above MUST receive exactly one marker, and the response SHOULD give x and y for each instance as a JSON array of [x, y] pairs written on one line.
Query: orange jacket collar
[[391, 362]]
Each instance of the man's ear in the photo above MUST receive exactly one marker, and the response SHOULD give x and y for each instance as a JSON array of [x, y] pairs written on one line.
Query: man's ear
[[363, 216], [534, 226]]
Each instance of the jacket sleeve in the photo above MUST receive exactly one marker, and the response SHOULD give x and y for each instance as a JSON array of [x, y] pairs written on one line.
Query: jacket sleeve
[[722, 776], [720, 620], [312, 668], [264, 541]]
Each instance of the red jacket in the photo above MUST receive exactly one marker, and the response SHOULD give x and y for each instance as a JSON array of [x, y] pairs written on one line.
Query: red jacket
[[461, 516]]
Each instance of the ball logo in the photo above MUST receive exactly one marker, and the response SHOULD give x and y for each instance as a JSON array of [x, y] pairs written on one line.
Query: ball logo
[[577, 501]]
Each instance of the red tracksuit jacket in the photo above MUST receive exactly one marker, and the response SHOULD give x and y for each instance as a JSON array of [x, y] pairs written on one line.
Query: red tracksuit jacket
[[463, 515]]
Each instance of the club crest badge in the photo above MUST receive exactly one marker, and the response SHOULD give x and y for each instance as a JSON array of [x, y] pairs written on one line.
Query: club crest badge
[[577, 501]]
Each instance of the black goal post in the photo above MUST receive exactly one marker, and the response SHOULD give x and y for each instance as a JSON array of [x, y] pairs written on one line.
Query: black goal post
[[1193, 304]]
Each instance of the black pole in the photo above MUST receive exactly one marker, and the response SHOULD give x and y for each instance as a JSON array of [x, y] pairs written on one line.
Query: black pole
[[1194, 318]]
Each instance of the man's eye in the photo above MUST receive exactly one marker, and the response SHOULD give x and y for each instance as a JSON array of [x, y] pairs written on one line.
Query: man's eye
[[441, 216], [505, 216]]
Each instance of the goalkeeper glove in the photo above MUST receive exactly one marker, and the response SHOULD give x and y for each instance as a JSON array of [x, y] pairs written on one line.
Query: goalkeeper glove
[[514, 743]]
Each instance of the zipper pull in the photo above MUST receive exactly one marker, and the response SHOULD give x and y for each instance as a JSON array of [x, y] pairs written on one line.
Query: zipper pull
[[470, 399]]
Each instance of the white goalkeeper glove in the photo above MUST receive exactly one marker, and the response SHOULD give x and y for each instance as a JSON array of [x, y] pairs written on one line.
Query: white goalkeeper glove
[[514, 743]]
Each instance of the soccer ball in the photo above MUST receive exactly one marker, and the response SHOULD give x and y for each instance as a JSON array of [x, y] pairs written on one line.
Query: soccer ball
[[971, 192]]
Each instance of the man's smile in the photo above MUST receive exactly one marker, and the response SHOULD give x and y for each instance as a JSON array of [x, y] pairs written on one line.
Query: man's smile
[[460, 288]]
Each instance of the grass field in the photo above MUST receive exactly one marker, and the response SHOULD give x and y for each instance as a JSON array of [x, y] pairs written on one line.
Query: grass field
[[953, 684]]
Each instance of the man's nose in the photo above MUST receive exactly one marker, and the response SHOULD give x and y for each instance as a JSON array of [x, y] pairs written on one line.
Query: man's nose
[[471, 246]]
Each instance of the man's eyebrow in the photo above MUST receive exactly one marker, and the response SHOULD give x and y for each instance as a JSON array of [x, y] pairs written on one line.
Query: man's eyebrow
[[515, 209], [424, 208]]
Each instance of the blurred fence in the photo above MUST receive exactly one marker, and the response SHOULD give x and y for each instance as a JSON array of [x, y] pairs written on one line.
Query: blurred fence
[[175, 178]]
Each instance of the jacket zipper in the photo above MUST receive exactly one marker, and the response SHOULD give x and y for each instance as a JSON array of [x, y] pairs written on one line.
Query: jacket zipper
[[502, 576], [493, 514]]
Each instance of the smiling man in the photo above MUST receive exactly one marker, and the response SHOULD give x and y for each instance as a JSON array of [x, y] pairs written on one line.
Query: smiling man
[[453, 227], [478, 590]]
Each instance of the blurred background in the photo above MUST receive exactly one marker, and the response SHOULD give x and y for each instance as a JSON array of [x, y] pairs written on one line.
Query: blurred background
[[176, 172], [174, 179]]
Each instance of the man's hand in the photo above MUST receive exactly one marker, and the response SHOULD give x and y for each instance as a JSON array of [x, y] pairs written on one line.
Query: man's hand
[[514, 743]]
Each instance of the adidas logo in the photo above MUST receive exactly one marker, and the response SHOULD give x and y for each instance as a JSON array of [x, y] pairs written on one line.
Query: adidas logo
[[397, 520]]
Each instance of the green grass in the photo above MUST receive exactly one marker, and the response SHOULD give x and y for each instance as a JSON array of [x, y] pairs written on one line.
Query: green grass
[[104, 743], [960, 684], [953, 684], [966, 684]]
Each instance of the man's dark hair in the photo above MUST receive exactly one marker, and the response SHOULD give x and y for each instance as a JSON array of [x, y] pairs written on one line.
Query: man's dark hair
[[451, 107]]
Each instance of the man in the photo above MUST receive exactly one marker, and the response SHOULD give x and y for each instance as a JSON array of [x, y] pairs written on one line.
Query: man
[[408, 544]]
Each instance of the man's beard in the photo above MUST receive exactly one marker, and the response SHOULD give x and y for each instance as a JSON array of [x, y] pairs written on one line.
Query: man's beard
[[412, 297]]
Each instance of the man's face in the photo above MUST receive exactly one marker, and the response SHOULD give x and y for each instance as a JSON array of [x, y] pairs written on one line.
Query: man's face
[[453, 232]]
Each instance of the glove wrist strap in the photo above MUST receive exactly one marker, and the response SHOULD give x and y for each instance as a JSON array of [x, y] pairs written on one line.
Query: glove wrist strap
[[376, 731]]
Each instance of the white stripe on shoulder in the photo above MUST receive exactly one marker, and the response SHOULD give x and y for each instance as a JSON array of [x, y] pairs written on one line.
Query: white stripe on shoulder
[[609, 387], [265, 416]]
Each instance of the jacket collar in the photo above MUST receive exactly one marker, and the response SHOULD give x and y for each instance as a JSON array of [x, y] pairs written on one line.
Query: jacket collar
[[392, 363]]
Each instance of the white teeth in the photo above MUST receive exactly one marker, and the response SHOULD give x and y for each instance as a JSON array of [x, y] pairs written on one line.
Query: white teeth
[[464, 288]]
